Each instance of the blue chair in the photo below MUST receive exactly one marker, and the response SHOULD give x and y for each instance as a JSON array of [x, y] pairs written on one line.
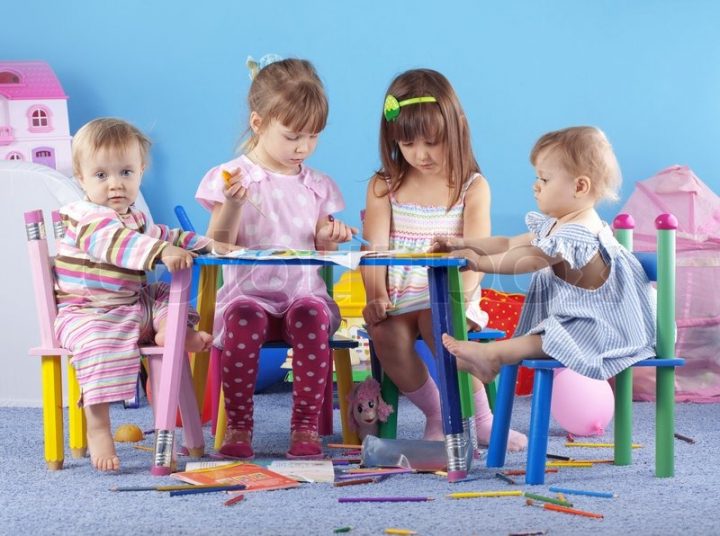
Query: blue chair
[[659, 267]]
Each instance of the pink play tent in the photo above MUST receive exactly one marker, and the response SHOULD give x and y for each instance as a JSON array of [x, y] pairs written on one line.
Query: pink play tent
[[697, 208]]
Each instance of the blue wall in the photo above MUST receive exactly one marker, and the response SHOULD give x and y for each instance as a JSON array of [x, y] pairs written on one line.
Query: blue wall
[[647, 72]]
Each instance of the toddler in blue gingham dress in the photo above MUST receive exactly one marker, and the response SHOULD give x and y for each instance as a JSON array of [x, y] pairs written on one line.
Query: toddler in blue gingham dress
[[590, 304]]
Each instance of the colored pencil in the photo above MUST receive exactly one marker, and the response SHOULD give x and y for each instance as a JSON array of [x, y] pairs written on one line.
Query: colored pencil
[[543, 498], [234, 500], [344, 446], [400, 531], [533, 533], [179, 487], [383, 499], [480, 494], [564, 509], [520, 472], [568, 464], [684, 438], [211, 489], [505, 478], [354, 482], [597, 445], [340, 530], [557, 457], [604, 494]]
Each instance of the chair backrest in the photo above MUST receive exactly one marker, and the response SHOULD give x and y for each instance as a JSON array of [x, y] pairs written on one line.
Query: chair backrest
[[43, 277]]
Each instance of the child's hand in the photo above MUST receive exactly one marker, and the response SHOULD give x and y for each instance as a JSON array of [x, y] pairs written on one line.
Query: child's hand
[[234, 191], [222, 248], [376, 311], [332, 231], [470, 256], [444, 244], [176, 258]]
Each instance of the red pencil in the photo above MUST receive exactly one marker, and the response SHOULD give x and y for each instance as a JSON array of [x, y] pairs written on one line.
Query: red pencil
[[234, 500]]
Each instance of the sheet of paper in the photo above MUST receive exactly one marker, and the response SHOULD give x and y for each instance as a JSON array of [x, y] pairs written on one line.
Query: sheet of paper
[[305, 470]]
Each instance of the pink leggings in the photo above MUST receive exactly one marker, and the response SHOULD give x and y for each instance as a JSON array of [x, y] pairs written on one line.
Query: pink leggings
[[305, 327]]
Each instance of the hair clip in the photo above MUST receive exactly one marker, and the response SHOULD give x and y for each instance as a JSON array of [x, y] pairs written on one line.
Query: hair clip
[[391, 110], [256, 66]]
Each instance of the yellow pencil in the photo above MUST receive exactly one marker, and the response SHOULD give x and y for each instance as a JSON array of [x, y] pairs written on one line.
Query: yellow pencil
[[568, 464], [597, 445], [399, 531], [478, 494]]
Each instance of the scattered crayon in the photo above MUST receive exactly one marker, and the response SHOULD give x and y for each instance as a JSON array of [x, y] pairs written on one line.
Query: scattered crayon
[[480, 494], [563, 509], [400, 531], [354, 482], [597, 445], [505, 478], [684, 438], [340, 530], [234, 500], [383, 499], [543, 498], [557, 457], [604, 494], [568, 464]]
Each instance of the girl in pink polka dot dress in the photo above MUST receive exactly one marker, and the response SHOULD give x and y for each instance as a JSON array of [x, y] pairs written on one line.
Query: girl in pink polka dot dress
[[268, 198]]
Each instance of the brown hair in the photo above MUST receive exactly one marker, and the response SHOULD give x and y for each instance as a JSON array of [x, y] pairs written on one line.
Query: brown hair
[[291, 92], [584, 151], [443, 121], [107, 133]]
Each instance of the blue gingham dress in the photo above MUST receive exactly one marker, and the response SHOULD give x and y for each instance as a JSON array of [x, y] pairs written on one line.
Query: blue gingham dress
[[597, 332]]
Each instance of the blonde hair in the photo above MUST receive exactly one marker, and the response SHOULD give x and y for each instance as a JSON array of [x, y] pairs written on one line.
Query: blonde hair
[[443, 121], [107, 133], [584, 151], [290, 92]]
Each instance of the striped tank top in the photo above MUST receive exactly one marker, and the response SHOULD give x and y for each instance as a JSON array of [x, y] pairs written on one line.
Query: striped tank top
[[413, 228]]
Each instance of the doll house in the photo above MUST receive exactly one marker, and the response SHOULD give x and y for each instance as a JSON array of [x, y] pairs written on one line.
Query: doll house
[[34, 123]]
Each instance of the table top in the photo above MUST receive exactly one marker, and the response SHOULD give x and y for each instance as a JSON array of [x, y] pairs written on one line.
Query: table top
[[429, 261]]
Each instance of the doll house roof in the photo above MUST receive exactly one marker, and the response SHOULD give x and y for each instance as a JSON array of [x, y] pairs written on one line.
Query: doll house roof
[[24, 80], [679, 191]]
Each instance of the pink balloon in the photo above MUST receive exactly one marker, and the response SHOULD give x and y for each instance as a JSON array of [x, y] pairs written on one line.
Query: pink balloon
[[581, 405]]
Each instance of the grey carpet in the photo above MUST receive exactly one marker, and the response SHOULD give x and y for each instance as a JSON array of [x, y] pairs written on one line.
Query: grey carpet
[[76, 500]]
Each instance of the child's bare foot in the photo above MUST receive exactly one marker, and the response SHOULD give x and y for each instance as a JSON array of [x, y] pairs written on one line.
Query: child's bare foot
[[473, 358], [195, 341], [517, 441], [100, 442]]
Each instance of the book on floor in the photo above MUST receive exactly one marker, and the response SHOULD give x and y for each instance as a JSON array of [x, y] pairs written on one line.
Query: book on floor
[[255, 477]]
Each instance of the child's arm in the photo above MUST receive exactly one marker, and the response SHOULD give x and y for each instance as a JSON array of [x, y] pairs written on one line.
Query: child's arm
[[225, 218], [376, 230], [476, 226], [517, 260], [489, 245]]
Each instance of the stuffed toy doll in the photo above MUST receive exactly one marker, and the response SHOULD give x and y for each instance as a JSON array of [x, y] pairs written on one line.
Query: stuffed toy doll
[[366, 408]]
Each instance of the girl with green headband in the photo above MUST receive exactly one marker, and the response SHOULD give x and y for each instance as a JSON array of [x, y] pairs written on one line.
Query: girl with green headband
[[429, 186]]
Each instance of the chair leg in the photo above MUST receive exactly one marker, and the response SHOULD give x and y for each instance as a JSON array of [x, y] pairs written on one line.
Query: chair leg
[[623, 417], [192, 425], [539, 427], [325, 419], [76, 417], [214, 381], [389, 393], [50, 369], [221, 424], [343, 372], [501, 419], [665, 422]]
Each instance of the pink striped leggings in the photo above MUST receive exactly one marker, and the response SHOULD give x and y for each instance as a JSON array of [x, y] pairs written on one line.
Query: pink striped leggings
[[306, 327]]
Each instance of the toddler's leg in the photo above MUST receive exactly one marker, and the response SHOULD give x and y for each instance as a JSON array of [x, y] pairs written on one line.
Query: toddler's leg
[[246, 328], [155, 297], [427, 398], [484, 360], [100, 442], [484, 420], [307, 328]]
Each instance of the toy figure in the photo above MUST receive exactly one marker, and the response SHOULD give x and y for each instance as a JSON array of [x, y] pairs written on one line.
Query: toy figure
[[367, 408]]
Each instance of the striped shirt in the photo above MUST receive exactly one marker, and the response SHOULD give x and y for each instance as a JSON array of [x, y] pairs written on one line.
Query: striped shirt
[[414, 228], [102, 259], [596, 332]]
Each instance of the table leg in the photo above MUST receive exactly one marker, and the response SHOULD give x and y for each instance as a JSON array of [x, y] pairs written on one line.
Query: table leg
[[166, 399], [456, 444]]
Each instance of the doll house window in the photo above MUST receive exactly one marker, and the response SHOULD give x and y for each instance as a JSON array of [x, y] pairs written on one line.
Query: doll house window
[[14, 155], [6, 77], [40, 120]]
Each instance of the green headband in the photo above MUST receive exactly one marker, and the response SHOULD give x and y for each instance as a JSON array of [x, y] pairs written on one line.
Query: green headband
[[392, 106]]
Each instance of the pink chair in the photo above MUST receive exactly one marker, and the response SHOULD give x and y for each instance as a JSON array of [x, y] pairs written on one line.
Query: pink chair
[[51, 354]]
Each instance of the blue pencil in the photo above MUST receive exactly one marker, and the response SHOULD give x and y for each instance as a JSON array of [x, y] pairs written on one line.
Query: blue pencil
[[361, 240], [604, 494], [236, 487]]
